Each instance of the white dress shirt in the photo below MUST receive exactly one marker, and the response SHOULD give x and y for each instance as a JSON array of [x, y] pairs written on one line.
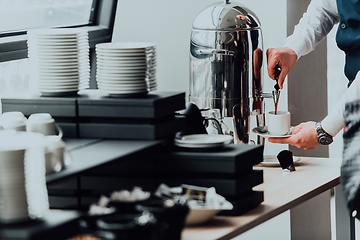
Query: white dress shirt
[[315, 24]]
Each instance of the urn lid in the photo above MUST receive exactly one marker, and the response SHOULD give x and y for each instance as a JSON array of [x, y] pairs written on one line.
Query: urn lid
[[226, 15]]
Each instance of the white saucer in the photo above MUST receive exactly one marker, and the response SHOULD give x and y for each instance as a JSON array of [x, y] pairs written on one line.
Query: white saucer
[[272, 161], [263, 131], [202, 141]]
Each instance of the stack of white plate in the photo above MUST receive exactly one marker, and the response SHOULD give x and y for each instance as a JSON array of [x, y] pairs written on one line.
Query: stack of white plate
[[59, 59], [23, 193], [126, 68]]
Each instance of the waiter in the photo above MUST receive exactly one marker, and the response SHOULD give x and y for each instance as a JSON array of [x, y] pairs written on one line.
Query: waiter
[[312, 28]]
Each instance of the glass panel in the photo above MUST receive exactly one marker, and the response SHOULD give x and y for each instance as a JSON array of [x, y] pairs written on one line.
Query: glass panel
[[17, 15], [14, 77]]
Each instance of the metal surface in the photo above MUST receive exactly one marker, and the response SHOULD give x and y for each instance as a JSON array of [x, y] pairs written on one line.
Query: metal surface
[[226, 55]]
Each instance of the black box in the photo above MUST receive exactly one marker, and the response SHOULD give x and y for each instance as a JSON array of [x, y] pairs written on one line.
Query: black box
[[232, 159], [65, 107], [153, 105], [135, 130]]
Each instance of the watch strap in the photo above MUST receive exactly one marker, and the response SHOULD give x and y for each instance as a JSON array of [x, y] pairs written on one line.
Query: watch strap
[[323, 137]]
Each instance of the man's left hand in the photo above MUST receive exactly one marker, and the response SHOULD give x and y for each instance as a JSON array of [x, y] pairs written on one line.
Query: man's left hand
[[302, 136]]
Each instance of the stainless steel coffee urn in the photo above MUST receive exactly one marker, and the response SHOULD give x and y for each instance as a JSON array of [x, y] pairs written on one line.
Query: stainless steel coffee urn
[[226, 75]]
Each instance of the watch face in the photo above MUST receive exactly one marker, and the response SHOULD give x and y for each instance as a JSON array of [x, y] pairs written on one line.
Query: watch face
[[324, 140]]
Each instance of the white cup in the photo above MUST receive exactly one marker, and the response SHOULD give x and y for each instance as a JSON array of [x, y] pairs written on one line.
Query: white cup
[[41, 123], [279, 123], [56, 157], [13, 120]]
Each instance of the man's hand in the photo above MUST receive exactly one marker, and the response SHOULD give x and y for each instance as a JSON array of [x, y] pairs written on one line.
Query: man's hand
[[302, 136], [285, 58]]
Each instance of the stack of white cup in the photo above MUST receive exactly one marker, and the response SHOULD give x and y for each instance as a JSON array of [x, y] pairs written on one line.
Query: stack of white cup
[[13, 120], [55, 149], [22, 176], [56, 156]]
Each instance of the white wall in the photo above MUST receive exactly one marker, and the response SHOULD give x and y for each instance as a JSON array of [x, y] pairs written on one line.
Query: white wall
[[168, 24]]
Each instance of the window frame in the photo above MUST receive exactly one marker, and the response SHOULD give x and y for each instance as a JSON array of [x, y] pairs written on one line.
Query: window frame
[[13, 46]]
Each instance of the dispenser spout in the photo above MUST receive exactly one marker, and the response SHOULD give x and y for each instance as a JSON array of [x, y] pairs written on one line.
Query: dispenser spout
[[276, 93]]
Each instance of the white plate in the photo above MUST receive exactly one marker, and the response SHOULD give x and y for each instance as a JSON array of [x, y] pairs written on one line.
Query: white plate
[[124, 89], [120, 86], [120, 60], [263, 131], [202, 141], [123, 66], [54, 79], [121, 74], [272, 161], [138, 81], [120, 53], [120, 82], [116, 91], [59, 89], [122, 63], [125, 45], [57, 31], [120, 79]]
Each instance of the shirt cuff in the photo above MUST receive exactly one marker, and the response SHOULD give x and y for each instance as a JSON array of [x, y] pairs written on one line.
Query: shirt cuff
[[333, 123]]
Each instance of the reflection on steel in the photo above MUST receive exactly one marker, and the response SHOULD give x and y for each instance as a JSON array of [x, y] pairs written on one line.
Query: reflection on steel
[[226, 56]]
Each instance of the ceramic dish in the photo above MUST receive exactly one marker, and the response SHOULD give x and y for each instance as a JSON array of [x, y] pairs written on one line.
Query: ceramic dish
[[263, 131], [200, 214], [202, 141]]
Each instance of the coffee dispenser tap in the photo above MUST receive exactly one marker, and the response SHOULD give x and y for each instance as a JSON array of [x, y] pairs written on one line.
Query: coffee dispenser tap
[[276, 93]]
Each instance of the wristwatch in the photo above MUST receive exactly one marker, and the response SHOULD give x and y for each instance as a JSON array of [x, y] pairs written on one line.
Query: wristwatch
[[323, 137]]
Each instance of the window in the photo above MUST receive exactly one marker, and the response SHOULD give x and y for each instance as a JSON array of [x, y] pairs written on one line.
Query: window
[[20, 15], [96, 16]]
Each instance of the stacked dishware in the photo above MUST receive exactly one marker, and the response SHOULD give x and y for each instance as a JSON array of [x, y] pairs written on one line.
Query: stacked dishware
[[59, 59], [126, 68], [23, 193]]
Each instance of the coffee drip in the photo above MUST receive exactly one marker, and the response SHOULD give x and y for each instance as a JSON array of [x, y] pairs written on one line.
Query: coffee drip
[[276, 94]]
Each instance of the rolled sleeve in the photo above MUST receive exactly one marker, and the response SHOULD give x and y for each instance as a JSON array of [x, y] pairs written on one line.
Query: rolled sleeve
[[316, 23], [334, 121]]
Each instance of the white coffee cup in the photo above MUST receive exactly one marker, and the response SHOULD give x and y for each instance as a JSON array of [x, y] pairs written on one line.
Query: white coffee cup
[[13, 120], [279, 123], [56, 154], [41, 123]]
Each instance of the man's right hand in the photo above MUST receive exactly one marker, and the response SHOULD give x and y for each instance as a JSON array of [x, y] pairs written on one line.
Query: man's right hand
[[285, 58]]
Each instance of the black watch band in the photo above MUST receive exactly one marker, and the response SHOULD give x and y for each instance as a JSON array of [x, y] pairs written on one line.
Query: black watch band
[[323, 137]]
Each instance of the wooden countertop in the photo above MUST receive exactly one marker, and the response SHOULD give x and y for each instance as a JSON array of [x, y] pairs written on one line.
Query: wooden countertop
[[282, 191]]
